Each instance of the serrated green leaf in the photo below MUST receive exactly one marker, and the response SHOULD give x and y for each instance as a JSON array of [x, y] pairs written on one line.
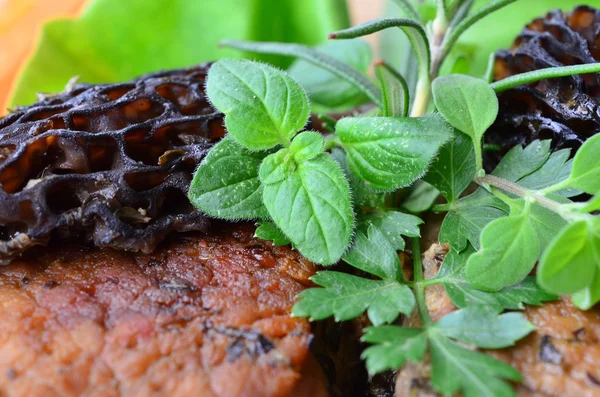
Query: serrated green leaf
[[452, 276], [554, 171], [269, 231], [483, 327], [455, 369], [307, 145], [327, 91], [520, 162], [393, 225], [387, 153], [454, 168], [570, 262], [468, 104], [392, 346], [226, 183], [421, 197], [263, 106], [468, 217], [345, 297], [276, 167], [373, 253], [585, 174], [312, 207], [509, 251]]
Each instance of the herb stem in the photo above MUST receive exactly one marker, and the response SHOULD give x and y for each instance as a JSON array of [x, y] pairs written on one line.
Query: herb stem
[[418, 287], [542, 74], [422, 96], [442, 208]]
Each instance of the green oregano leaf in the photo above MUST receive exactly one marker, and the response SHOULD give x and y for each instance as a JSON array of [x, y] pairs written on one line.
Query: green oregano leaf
[[263, 106], [312, 207], [226, 184], [387, 153], [276, 167], [268, 231], [307, 145], [585, 174], [345, 296], [454, 168], [570, 262], [509, 250]]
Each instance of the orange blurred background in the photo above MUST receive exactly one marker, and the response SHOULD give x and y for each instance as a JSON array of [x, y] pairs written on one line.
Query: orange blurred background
[[21, 20]]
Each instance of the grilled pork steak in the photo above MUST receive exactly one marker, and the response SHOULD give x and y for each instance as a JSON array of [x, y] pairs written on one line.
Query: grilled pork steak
[[204, 315]]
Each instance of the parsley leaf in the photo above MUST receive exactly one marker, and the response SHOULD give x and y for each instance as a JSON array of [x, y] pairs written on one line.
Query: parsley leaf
[[387, 153], [467, 218], [226, 184], [393, 225], [484, 327], [312, 207], [520, 162], [263, 106], [346, 296], [268, 231], [547, 224], [554, 171], [585, 174], [456, 368], [454, 168], [392, 346], [452, 276]]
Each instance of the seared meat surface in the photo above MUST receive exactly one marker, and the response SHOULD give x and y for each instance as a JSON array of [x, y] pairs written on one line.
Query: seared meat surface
[[560, 358], [204, 315]]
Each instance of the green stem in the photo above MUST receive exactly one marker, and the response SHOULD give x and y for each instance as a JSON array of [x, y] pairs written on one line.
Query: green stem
[[418, 278], [437, 208], [478, 154], [422, 96], [542, 74]]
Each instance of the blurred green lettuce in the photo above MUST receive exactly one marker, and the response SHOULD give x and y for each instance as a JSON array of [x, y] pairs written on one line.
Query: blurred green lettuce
[[116, 40]]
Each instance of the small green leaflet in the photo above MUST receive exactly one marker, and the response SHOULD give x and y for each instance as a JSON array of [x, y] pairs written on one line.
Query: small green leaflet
[[467, 218], [263, 106], [327, 91], [454, 168], [455, 368], [268, 231], [585, 174], [387, 153], [452, 276], [345, 297], [276, 167], [509, 250], [519, 162], [554, 171], [392, 346], [373, 253], [307, 145], [484, 327], [468, 104], [547, 224], [393, 225], [421, 197], [312, 207], [571, 261], [589, 296], [226, 184]]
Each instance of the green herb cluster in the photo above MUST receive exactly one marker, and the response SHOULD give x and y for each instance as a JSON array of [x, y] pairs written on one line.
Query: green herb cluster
[[341, 196]]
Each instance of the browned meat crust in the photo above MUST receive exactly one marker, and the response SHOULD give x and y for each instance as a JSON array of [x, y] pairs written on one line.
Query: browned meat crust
[[201, 316], [560, 358]]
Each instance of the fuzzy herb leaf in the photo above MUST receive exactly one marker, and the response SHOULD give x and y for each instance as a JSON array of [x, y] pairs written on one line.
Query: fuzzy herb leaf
[[276, 167], [263, 106], [345, 297], [468, 217], [585, 174], [509, 250], [312, 207], [226, 184], [484, 327], [268, 231], [455, 368], [469, 104], [463, 294], [307, 145], [392, 346], [388, 153], [373, 253], [393, 225], [454, 168], [570, 262]]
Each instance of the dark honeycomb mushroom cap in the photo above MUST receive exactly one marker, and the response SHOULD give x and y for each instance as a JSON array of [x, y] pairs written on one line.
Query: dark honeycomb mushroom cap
[[106, 164], [565, 110]]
